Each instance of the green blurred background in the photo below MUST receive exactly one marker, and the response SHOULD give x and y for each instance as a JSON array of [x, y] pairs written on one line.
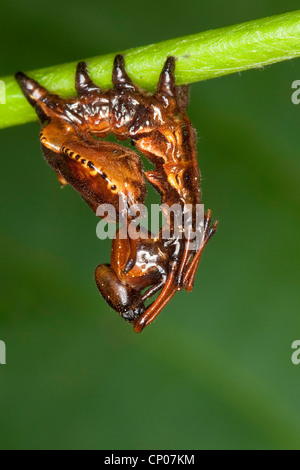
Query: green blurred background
[[215, 371]]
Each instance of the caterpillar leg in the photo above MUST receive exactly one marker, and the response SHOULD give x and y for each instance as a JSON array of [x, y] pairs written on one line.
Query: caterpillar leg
[[208, 232], [168, 291]]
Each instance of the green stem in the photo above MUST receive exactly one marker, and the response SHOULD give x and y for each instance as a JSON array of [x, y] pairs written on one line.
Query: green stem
[[200, 57]]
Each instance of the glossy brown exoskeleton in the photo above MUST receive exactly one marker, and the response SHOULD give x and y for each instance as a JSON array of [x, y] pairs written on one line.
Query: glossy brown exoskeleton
[[102, 172]]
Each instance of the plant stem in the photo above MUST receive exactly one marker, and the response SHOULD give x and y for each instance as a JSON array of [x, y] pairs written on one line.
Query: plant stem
[[200, 57]]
